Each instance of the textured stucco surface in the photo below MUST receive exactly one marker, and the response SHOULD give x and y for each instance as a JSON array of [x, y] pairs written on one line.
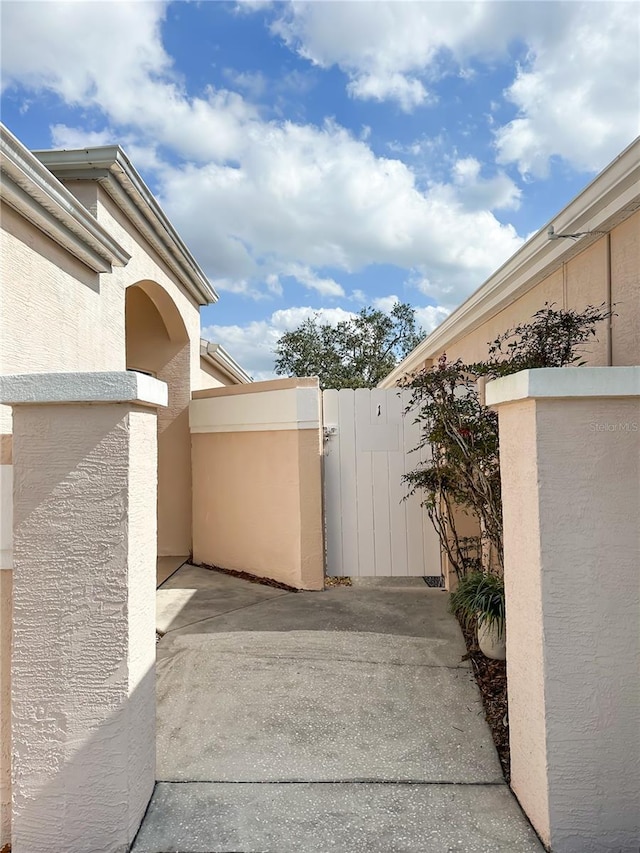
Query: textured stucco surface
[[571, 475], [625, 291], [159, 344], [525, 652], [84, 575], [580, 282], [257, 504], [5, 705], [43, 288]]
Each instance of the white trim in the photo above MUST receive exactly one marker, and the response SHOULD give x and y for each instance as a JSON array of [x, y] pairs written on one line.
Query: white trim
[[110, 166], [216, 355], [608, 200], [256, 427], [286, 409], [107, 387], [564, 382], [31, 189]]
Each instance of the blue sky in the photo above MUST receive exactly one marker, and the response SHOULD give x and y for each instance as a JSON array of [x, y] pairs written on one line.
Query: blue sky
[[324, 156]]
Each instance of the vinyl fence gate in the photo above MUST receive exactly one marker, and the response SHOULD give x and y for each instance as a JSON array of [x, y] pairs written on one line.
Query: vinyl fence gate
[[370, 530]]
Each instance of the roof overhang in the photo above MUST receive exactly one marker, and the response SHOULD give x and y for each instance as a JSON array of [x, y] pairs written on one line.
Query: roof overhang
[[612, 197], [112, 169], [220, 359], [30, 189]]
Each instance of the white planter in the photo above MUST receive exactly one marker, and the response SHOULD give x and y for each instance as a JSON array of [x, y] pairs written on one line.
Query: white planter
[[491, 645]]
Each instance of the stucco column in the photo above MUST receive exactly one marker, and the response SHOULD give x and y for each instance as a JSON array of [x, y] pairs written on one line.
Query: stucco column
[[84, 554], [570, 463]]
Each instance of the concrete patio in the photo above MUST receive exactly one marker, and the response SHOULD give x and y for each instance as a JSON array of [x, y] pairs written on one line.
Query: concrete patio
[[342, 720]]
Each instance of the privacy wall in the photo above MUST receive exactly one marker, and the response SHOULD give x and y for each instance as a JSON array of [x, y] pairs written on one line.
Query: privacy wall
[[257, 480]]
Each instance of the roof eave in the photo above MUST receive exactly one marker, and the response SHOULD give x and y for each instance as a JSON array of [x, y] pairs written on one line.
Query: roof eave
[[608, 200], [110, 166], [220, 358], [30, 189]]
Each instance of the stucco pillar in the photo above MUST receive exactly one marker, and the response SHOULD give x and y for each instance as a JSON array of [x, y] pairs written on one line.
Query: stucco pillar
[[570, 463], [84, 554]]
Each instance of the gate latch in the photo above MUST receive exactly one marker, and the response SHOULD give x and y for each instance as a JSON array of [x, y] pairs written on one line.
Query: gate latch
[[328, 431]]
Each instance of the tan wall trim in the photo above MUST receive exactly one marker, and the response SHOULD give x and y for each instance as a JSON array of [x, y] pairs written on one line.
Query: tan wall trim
[[6, 449], [256, 387]]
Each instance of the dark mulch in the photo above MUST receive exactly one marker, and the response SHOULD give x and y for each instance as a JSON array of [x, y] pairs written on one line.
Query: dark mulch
[[337, 581], [245, 576], [491, 677]]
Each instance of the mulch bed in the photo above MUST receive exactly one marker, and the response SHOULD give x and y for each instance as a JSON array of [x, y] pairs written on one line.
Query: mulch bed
[[245, 576], [491, 677], [337, 581]]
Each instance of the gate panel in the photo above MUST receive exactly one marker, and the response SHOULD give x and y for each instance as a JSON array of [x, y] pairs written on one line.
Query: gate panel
[[370, 530]]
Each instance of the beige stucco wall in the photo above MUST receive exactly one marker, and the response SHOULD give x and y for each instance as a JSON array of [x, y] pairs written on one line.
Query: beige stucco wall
[[210, 377], [5, 706], [145, 264], [257, 481], [150, 348], [57, 315], [571, 494], [83, 719], [580, 282]]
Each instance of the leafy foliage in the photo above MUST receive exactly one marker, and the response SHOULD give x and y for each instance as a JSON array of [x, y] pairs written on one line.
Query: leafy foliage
[[462, 470], [479, 598], [356, 353]]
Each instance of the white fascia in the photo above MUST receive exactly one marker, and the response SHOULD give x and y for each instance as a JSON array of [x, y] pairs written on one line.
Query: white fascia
[[220, 358], [30, 189], [612, 197], [110, 166]]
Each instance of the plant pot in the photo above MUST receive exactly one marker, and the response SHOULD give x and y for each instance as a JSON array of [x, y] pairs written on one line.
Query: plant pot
[[491, 645]]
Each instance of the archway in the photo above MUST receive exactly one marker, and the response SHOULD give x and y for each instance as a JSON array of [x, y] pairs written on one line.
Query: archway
[[157, 343]]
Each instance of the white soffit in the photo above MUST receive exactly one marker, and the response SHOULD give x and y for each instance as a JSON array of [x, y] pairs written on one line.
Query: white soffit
[[31, 189]]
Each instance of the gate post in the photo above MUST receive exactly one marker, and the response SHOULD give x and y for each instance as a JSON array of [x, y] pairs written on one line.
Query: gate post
[[570, 467], [83, 692]]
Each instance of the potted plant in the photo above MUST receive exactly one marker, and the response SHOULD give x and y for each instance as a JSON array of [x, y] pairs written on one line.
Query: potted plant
[[479, 599]]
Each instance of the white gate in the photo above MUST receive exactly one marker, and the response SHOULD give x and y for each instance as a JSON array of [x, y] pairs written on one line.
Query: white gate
[[370, 530]]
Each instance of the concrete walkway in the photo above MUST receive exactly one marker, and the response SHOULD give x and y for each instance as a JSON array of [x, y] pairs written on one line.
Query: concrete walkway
[[340, 721]]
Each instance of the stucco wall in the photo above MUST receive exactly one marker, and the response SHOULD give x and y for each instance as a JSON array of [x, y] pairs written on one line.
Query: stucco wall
[[149, 348], [580, 282], [57, 314], [257, 482], [210, 377], [83, 721], [144, 264], [570, 474]]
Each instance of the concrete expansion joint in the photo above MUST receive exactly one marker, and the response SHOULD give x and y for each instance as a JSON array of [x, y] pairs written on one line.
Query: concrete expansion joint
[[225, 613]]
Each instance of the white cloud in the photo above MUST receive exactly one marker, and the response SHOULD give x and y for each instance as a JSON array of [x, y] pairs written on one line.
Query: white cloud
[[306, 277], [576, 94], [305, 197], [577, 97], [73, 137], [385, 303], [478, 193], [431, 316], [110, 55]]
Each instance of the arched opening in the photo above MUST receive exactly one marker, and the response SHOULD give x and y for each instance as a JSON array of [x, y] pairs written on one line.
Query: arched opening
[[157, 342]]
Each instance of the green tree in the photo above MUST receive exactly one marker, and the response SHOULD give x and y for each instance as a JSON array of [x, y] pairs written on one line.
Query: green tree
[[355, 353]]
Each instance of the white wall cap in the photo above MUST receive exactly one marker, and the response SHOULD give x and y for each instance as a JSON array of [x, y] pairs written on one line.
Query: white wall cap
[[107, 387], [549, 382]]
